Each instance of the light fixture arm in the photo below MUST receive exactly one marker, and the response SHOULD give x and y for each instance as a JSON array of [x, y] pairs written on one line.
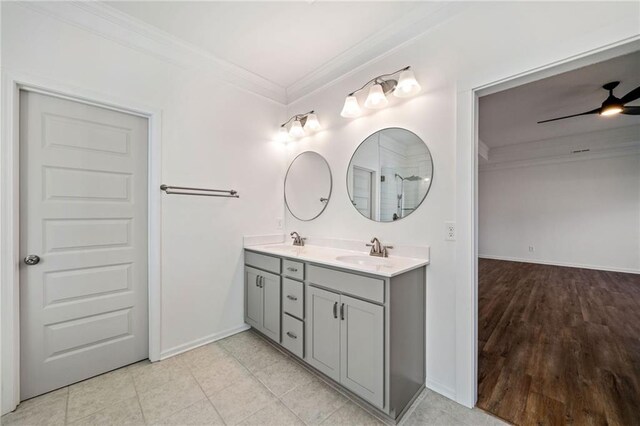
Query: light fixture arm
[[300, 117], [380, 80]]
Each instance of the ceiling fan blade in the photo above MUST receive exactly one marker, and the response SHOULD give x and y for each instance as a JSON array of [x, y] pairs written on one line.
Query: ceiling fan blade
[[631, 96], [631, 110], [593, 111]]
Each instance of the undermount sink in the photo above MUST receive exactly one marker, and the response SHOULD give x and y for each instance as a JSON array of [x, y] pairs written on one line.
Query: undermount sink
[[363, 260]]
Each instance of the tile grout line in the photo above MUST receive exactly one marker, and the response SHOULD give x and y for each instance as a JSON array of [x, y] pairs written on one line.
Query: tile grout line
[[203, 392], [279, 399], [290, 390], [259, 381], [66, 406], [135, 388]]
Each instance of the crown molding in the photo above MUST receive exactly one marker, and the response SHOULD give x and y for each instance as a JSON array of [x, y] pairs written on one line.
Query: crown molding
[[585, 146], [383, 43], [107, 22]]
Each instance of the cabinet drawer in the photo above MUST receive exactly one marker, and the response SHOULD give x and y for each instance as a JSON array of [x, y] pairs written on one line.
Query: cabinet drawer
[[268, 263], [293, 297], [343, 282], [293, 334], [293, 269]]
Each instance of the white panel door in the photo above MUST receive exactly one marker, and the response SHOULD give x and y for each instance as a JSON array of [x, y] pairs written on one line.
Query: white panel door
[[362, 189], [83, 212]]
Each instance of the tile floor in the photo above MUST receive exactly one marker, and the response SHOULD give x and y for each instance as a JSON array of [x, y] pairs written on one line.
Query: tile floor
[[240, 380]]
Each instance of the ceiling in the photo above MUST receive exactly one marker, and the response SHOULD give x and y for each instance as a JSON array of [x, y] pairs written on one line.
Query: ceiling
[[510, 117], [282, 42]]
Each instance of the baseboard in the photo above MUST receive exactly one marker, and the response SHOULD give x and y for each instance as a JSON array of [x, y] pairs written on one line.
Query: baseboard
[[443, 390], [202, 341], [566, 264]]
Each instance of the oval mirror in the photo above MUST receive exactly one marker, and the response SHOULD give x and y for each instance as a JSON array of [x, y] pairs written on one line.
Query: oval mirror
[[307, 186], [389, 175]]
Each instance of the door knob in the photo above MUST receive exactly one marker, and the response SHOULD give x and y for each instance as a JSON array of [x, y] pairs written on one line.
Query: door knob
[[32, 259]]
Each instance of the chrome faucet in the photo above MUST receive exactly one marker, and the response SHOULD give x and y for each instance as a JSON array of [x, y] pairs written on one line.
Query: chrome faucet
[[377, 249], [297, 239]]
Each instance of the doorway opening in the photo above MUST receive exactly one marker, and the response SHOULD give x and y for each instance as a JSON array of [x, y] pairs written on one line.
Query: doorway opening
[[559, 247]]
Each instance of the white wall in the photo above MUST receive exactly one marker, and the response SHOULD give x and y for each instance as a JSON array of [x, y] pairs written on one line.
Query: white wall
[[485, 43], [207, 141], [576, 213]]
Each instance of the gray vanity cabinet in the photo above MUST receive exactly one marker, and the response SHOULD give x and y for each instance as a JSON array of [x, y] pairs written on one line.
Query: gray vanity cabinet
[[253, 297], [323, 337], [346, 342], [366, 332], [362, 349], [262, 301]]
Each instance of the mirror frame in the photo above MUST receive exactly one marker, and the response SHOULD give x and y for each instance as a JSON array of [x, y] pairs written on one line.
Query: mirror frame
[[330, 186], [433, 173]]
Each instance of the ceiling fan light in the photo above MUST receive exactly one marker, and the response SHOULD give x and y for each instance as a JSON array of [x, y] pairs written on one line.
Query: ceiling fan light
[[407, 85], [611, 110], [351, 108], [376, 98], [296, 130], [312, 123]]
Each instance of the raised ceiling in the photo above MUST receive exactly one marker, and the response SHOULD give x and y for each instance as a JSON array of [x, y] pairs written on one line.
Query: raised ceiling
[[510, 117], [287, 43]]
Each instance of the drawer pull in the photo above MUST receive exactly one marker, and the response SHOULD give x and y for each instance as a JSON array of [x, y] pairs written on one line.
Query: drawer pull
[[290, 297], [290, 334], [292, 269]]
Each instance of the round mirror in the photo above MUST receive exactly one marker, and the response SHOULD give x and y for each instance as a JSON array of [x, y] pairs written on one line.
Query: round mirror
[[307, 186], [389, 175]]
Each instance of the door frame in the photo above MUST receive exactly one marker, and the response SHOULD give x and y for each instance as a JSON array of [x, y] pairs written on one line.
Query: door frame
[[466, 197], [372, 191], [12, 84]]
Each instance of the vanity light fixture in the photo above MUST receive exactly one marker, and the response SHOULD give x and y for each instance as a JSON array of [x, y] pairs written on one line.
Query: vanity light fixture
[[404, 86], [301, 124]]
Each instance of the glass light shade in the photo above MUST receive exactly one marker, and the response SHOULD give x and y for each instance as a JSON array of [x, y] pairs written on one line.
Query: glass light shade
[[312, 123], [407, 85], [296, 130], [283, 135], [351, 108], [376, 98]]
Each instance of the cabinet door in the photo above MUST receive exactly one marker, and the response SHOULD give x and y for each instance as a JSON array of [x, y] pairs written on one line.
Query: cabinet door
[[253, 298], [323, 331], [271, 308], [362, 349]]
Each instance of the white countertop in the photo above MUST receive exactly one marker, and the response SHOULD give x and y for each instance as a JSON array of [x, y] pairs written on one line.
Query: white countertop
[[386, 267]]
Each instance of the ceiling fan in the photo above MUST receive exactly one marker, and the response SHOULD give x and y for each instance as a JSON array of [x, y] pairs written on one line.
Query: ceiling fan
[[612, 105]]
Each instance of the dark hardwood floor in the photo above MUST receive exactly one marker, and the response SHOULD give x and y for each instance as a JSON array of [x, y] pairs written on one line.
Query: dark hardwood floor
[[558, 345]]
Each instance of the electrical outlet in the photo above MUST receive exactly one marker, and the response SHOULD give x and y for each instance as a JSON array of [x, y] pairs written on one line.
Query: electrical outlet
[[532, 249], [450, 231], [278, 223]]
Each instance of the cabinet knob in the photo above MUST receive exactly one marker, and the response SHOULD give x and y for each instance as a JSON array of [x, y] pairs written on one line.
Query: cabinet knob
[[290, 297], [290, 334]]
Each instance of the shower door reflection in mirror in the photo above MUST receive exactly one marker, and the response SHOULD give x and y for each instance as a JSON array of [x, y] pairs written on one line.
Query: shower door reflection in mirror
[[389, 175]]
